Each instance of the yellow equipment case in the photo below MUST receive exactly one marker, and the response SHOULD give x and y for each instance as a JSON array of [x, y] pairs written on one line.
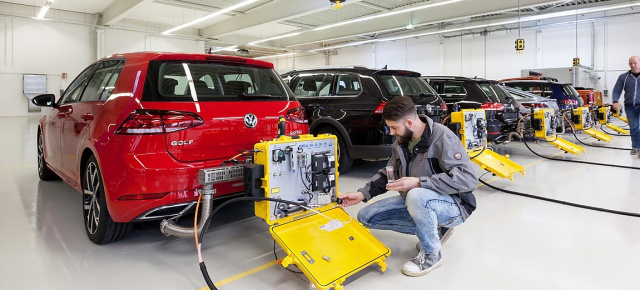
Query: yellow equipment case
[[320, 238], [542, 125], [471, 126]]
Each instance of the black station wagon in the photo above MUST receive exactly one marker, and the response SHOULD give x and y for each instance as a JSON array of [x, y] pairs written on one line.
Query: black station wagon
[[348, 102]]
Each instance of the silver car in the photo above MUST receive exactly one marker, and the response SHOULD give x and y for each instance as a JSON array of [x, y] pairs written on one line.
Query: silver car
[[526, 100]]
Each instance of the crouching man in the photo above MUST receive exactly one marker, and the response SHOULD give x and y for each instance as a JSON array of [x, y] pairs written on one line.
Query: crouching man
[[433, 174]]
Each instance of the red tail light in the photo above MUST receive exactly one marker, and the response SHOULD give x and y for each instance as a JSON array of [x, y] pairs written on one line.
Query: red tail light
[[158, 122], [380, 108], [569, 102], [443, 106], [297, 115], [492, 106]]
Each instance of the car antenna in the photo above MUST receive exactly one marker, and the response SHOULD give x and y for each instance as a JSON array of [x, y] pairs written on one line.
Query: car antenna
[[209, 52], [385, 67]]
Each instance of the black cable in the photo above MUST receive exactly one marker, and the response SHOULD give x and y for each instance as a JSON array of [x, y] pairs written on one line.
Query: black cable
[[576, 161], [302, 179], [483, 148], [614, 134], [598, 146], [203, 267], [276, 257], [562, 202]]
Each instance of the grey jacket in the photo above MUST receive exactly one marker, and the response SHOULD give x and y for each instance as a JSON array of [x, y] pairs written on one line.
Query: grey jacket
[[629, 84], [441, 163]]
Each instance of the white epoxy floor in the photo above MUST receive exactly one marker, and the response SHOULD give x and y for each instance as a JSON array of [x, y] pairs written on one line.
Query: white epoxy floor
[[510, 242]]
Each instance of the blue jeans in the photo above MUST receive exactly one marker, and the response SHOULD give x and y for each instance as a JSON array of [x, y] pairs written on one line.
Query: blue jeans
[[633, 115], [420, 214]]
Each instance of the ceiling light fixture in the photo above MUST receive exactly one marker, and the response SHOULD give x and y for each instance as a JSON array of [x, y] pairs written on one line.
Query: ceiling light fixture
[[44, 9], [233, 48], [214, 14], [274, 38], [524, 19], [385, 14]]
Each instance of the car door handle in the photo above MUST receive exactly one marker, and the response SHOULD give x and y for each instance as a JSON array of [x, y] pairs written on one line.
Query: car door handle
[[87, 117]]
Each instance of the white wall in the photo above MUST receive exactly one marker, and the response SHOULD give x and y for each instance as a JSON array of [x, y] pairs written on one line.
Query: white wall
[[29, 46]]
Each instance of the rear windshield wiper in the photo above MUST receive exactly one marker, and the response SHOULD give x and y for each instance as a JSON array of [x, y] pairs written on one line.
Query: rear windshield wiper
[[258, 96]]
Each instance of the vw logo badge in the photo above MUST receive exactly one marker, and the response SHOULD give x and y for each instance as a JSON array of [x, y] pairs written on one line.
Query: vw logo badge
[[250, 120]]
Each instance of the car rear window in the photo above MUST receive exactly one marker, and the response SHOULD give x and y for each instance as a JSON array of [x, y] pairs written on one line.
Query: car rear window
[[494, 92], [539, 89], [211, 81], [403, 85], [569, 91]]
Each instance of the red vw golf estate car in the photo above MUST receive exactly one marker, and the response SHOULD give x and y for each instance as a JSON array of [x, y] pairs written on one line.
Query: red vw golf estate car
[[132, 130]]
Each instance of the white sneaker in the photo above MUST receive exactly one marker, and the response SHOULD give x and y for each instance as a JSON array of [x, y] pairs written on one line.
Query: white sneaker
[[422, 264]]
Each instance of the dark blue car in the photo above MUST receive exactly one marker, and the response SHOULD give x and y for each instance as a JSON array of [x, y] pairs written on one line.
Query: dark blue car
[[564, 94]]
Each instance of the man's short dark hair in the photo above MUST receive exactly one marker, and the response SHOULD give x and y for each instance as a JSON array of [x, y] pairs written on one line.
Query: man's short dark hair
[[399, 108]]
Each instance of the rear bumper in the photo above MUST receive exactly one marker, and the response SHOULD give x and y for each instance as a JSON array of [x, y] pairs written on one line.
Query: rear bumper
[[131, 174]]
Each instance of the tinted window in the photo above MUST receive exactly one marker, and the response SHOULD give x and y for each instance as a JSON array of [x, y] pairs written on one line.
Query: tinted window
[[449, 90], [205, 81], [313, 85], [348, 85], [399, 85], [75, 89], [103, 81], [534, 88], [494, 92], [569, 91]]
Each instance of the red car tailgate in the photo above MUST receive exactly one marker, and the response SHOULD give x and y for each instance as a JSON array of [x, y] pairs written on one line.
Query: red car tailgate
[[224, 131]]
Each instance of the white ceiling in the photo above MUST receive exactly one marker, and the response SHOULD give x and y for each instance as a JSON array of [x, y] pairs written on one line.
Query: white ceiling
[[268, 18]]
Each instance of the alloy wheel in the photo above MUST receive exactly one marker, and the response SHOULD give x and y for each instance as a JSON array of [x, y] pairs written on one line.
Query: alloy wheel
[[40, 155], [90, 197]]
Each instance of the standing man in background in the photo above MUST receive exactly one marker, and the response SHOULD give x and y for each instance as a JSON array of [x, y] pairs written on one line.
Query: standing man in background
[[628, 82]]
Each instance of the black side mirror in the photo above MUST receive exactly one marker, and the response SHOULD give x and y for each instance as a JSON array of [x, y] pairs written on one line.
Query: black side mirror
[[45, 100]]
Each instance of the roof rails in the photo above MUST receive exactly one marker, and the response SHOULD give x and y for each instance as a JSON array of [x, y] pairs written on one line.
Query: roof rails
[[331, 67], [531, 78]]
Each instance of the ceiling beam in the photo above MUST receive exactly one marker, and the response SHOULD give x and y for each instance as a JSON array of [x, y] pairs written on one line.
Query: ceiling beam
[[274, 11], [457, 10], [119, 9]]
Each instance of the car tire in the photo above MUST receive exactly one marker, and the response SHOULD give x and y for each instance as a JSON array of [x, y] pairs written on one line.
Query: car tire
[[44, 173], [344, 160], [98, 224]]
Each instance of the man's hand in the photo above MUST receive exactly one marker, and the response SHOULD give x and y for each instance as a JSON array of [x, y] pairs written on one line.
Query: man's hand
[[615, 106], [404, 184], [351, 198]]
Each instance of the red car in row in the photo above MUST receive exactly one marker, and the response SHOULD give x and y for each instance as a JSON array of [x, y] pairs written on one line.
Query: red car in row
[[132, 131]]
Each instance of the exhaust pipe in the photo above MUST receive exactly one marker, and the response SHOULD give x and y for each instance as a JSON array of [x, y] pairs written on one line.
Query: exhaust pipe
[[515, 135], [169, 227]]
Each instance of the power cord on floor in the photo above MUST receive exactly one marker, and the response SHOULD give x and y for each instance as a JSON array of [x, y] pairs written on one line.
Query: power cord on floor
[[561, 201], [598, 146], [614, 134], [203, 267], [577, 161]]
